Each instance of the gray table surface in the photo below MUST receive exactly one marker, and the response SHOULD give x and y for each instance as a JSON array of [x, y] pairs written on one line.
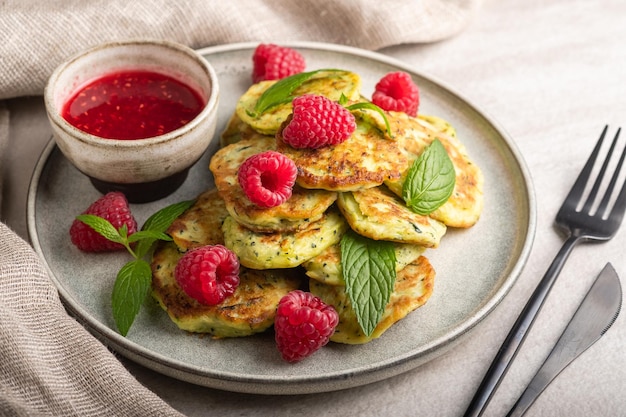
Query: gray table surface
[[552, 74]]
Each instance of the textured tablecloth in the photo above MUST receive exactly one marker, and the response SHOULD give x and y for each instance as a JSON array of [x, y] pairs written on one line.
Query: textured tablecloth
[[49, 364]]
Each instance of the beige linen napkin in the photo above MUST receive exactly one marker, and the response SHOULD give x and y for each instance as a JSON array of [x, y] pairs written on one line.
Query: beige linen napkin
[[49, 364], [4, 141]]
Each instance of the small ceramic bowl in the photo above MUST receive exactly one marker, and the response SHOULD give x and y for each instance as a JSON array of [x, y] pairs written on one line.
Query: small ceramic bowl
[[145, 169]]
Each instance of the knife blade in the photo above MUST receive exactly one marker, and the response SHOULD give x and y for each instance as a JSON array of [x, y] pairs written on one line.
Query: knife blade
[[594, 316]]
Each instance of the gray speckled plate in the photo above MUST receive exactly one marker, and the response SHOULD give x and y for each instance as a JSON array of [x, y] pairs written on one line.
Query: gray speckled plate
[[475, 267]]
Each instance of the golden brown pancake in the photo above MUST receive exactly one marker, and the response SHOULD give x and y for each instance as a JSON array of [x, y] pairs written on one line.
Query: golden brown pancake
[[465, 205], [301, 209], [201, 224], [366, 159], [326, 267], [379, 214], [251, 309], [286, 249], [331, 84]]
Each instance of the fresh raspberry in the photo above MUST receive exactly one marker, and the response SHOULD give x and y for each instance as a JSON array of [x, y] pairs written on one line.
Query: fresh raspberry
[[396, 91], [303, 324], [112, 207], [208, 274], [267, 178], [317, 121], [273, 62]]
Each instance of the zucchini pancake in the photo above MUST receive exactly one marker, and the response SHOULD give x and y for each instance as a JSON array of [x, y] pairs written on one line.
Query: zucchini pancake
[[354, 186]]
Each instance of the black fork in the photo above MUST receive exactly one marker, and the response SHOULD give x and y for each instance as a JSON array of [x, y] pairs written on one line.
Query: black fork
[[585, 219]]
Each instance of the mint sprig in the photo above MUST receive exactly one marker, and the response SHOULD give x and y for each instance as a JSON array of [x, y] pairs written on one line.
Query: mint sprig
[[133, 281], [430, 180], [369, 270]]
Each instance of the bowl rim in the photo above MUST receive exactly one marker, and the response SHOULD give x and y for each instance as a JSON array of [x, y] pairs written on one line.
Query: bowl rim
[[209, 108]]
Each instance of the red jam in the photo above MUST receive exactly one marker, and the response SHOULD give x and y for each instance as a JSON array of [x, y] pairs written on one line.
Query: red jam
[[132, 105]]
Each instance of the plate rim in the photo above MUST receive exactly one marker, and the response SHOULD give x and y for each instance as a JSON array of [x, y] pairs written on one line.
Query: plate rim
[[308, 384]]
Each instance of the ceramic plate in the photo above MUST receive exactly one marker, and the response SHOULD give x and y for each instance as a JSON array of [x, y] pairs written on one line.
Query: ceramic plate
[[475, 267]]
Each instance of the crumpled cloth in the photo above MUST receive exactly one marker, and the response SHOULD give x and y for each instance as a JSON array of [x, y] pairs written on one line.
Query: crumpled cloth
[[49, 364], [4, 141], [38, 35]]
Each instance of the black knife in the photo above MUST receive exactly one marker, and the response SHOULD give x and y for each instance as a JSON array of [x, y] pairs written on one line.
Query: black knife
[[595, 315]]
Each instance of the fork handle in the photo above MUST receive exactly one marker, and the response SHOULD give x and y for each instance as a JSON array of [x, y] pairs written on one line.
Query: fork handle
[[517, 334]]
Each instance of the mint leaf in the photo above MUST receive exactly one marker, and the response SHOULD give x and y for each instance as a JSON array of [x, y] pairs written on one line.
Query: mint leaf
[[159, 222], [144, 235], [369, 269], [102, 226], [280, 92], [163, 218], [430, 180], [129, 292]]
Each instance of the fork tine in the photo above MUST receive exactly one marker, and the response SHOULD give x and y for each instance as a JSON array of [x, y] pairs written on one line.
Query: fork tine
[[617, 215], [578, 188], [596, 185], [609, 192]]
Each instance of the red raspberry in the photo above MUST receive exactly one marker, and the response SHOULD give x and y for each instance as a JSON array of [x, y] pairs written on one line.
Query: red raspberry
[[267, 178], [317, 121], [273, 62], [112, 207], [208, 274], [303, 324], [396, 91]]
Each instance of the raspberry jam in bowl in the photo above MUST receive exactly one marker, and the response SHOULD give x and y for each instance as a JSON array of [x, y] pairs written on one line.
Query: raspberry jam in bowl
[[134, 116]]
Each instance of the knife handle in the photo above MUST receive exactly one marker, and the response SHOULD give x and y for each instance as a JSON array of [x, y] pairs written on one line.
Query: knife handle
[[517, 334]]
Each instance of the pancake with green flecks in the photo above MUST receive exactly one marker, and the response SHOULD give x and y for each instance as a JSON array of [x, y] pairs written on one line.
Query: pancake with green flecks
[[298, 212], [329, 83]]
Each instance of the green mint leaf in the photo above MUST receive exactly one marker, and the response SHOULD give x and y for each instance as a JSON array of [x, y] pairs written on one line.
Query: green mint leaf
[[123, 231], [158, 223], [430, 180], [281, 91], [372, 106], [129, 292], [163, 218], [103, 227], [369, 269], [148, 234]]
